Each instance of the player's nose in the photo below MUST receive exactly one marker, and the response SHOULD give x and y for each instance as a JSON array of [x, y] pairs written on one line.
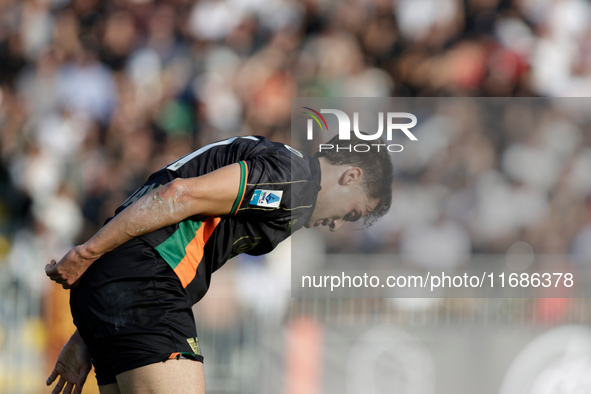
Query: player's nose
[[335, 224]]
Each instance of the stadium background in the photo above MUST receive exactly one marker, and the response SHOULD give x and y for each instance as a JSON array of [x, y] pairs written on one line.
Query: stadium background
[[95, 95]]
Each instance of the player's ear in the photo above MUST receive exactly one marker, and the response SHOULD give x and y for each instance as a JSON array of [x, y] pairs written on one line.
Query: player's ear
[[351, 176]]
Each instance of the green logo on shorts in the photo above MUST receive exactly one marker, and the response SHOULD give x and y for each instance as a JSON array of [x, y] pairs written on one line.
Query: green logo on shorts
[[194, 343]]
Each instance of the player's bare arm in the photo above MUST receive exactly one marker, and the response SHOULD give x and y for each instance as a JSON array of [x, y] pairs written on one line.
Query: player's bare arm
[[212, 194]]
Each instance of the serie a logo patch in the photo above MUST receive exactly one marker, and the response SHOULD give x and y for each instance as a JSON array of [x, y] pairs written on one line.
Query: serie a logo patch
[[266, 198]]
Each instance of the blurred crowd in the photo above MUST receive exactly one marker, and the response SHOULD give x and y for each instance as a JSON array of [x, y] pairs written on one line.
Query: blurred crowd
[[95, 95], [488, 175]]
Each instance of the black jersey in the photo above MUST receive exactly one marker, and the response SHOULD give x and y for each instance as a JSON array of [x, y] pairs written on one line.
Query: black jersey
[[277, 194]]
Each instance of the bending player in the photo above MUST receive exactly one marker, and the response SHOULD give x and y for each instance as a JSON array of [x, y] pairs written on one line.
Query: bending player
[[134, 282]]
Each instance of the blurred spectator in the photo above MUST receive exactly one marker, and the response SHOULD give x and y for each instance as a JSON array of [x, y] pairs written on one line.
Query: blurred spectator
[[120, 88], [439, 245], [95, 95]]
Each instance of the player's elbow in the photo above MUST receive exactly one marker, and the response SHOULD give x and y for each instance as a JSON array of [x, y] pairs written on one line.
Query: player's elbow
[[176, 188], [179, 198], [186, 197], [203, 195], [212, 194]]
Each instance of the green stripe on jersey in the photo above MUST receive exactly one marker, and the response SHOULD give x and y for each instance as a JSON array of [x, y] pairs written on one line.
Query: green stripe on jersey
[[173, 249], [240, 188]]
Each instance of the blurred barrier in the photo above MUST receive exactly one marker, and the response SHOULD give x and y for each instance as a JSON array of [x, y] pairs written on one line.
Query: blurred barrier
[[22, 337], [460, 345], [412, 345]]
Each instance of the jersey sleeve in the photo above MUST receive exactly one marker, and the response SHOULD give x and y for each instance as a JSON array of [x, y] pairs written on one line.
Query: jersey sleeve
[[241, 187], [276, 185], [267, 185]]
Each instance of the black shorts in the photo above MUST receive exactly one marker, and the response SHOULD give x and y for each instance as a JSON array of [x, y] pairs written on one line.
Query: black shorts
[[131, 310]]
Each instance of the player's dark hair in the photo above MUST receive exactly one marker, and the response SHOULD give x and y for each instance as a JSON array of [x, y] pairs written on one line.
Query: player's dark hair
[[376, 165]]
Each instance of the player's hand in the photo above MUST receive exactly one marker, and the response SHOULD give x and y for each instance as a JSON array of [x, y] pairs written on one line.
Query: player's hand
[[72, 367], [70, 268]]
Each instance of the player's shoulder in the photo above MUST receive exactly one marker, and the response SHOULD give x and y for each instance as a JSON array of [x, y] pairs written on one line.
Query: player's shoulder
[[269, 147], [277, 160]]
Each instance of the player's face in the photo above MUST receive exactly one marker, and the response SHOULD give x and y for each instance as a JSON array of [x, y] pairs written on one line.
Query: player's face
[[345, 202]]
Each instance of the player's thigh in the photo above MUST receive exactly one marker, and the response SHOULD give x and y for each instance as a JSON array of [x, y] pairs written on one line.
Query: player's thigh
[[171, 376], [109, 389]]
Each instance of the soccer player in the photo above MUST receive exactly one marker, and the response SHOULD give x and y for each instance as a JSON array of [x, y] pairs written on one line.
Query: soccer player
[[134, 282]]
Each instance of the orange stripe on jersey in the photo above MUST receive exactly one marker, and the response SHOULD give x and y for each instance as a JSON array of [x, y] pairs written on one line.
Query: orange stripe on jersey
[[187, 268], [174, 355], [244, 187]]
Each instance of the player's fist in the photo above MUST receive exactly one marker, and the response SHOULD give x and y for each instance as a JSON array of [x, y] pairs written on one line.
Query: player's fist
[[70, 268]]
